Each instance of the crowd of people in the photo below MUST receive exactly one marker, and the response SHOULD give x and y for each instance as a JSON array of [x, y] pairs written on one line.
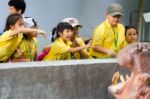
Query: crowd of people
[[19, 43]]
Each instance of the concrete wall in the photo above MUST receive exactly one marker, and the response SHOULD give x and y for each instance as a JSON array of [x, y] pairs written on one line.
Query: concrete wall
[[80, 79]]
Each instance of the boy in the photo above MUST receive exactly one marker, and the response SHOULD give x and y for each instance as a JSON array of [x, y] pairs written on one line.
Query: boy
[[17, 6]]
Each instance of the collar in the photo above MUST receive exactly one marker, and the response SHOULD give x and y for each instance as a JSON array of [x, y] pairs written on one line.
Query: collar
[[108, 24], [61, 41]]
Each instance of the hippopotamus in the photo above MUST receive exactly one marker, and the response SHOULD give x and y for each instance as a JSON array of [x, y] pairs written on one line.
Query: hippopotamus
[[135, 57]]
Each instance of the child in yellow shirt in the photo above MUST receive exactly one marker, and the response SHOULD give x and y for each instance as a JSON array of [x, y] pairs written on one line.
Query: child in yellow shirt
[[12, 36], [61, 49], [76, 40], [29, 45]]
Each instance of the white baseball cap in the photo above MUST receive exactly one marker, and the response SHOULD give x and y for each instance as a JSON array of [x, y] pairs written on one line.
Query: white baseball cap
[[28, 22], [73, 21]]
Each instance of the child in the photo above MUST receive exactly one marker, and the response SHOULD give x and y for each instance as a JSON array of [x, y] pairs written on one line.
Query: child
[[61, 49], [131, 34], [76, 40], [17, 6], [12, 36], [29, 45]]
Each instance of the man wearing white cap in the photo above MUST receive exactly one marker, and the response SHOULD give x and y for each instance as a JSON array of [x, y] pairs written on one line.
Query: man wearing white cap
[[77, 41], [108, 37]]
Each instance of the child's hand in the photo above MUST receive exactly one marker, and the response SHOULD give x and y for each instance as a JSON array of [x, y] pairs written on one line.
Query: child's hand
[[76, 43], [15, 32], [45, 48], [88, 45], [42, 32], [112, 53], [19, 53]]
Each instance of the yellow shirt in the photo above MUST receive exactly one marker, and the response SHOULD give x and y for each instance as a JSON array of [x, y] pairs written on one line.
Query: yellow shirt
[[126, 44], [77, 55], [107, 37], [59, 50], [28, 48], [8, 44]]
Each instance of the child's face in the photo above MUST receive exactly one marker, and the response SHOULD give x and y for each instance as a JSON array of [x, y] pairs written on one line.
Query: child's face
[[13, 10], [66, 34], [75, 31], [131, 35], [19, 24]]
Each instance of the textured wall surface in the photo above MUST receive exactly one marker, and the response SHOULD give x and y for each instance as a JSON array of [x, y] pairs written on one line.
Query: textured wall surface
[[82, 79]]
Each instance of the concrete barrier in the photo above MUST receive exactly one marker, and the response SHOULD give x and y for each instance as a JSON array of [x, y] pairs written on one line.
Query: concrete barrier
[[74, 79]]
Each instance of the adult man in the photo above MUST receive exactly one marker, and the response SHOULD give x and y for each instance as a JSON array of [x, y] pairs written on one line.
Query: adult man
[[108, 37]]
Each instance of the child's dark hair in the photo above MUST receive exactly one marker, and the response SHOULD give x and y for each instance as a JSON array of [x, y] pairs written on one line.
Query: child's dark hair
[[11, 20], [18, 4], [129, 27], [35, 23], [60, 28]]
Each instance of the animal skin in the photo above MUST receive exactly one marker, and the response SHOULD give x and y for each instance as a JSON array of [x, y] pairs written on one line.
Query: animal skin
[[135, 57]]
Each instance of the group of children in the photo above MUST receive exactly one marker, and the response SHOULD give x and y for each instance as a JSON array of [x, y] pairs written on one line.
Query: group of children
[[68, 45], [19, 42]]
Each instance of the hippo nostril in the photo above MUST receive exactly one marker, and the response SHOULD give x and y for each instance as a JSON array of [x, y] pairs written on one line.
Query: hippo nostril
[[148, 84], [148, 81], [142, 93]]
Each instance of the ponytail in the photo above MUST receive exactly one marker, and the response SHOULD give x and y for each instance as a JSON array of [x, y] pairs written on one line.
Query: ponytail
[[53, 34]]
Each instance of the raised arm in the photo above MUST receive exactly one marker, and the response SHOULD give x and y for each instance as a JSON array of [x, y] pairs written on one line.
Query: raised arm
[[28, 30]]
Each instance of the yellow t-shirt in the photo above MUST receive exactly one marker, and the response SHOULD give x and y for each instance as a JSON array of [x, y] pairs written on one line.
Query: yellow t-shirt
[[107, 37], [59, 50], [28, 48], [8, 44], [126, 43], [77, 55]]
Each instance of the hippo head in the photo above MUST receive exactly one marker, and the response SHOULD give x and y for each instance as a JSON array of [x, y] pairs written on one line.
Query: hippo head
[[135, 57]]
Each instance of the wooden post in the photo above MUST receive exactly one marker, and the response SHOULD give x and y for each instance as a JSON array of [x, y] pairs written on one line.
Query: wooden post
[[140, 17]]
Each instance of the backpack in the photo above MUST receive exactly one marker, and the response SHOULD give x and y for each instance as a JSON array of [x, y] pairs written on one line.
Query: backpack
[[43, 54]]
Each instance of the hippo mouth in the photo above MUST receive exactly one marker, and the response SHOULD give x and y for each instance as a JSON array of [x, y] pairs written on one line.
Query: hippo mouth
[[118, 83], [134, 86], [136, 58]]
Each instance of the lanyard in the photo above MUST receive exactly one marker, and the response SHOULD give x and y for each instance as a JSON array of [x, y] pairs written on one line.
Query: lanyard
[[31, 50], [116, 38]]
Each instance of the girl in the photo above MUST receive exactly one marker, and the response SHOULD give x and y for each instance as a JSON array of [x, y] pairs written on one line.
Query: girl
[[61, 47], [131, 34], [12, 36], [76, 40], [29, 45]]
